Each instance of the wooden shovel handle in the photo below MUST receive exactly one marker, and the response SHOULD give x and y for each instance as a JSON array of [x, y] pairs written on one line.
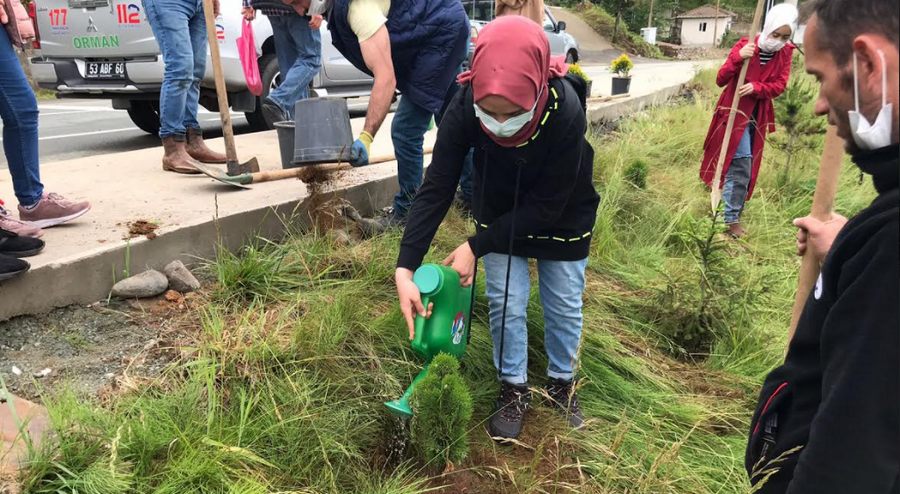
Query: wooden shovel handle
[[822, 205], [272, 175], [716, 192]]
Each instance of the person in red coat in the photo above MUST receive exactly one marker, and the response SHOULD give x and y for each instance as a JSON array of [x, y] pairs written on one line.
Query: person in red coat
[[767, 76]]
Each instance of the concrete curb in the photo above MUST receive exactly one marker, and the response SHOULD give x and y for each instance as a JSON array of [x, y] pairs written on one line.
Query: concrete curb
[[90, 277], [615, 110]]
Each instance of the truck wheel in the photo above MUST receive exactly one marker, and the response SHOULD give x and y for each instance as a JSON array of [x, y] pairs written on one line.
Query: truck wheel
[[271, 77], [145, 114], [572, 56]]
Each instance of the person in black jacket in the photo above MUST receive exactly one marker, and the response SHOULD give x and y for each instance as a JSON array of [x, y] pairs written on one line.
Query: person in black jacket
[[533, 198], [828, 419]]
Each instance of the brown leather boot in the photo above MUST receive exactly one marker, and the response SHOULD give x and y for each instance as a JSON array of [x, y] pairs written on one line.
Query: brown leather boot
[[198, 150], [176, 158]]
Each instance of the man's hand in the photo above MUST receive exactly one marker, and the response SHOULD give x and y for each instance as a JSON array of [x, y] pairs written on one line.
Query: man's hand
[[217, 8], [410, 299], [748, 50], [746, 89], [359, 152], [817, 236], [463, 261], [315, 22], [249, 13], [3, 17]]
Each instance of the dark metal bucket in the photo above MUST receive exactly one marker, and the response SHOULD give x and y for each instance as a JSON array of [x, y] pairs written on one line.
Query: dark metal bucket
[[321, 131]]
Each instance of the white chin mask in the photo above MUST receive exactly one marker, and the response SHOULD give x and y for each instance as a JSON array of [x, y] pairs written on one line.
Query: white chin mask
[[511, 126], [771, 45], [868, 135]]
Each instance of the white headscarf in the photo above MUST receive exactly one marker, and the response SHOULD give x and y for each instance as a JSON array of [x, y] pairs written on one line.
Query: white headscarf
[[783, 14]]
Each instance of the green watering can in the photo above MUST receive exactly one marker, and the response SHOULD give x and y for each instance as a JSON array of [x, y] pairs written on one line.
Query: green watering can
[[447, 330]]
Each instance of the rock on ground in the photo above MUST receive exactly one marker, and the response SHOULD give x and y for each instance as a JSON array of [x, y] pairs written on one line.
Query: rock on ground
[[180, 277], [150, 283]]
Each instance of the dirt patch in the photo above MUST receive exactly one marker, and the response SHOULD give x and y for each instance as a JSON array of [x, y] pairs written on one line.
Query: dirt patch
[[92, 350], [139, 228]]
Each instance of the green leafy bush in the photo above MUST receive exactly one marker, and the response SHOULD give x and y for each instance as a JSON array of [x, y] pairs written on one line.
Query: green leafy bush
[[636, 173], [443, 410]]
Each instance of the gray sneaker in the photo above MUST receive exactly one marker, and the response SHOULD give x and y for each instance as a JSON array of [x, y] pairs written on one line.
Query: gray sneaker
[[563, 398], [53, 209], [509, 412]]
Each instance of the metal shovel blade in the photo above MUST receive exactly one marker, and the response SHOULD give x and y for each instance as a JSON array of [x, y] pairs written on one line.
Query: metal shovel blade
[[238, 181]]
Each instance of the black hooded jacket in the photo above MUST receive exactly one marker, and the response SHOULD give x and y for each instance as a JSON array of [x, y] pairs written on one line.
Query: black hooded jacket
[[828, 419], [542, 191]]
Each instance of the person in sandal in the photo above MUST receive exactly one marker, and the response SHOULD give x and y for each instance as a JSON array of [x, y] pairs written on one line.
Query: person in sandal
[[770, 56], [12, 247], [533, 199], [19, 111]]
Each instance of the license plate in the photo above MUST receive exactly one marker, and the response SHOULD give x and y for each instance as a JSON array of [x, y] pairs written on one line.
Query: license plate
[[88, 4], [104, 70]]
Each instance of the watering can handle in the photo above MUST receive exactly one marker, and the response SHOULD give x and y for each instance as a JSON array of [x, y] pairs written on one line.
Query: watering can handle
[[420, 325]]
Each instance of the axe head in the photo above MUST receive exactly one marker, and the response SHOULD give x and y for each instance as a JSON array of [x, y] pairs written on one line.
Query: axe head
[[249, 166]]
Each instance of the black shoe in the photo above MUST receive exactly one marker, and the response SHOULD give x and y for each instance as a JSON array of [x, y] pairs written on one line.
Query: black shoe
[[10, 267], [509, 414], [563, 398], [273, 113], [372, 227], [16, 246]]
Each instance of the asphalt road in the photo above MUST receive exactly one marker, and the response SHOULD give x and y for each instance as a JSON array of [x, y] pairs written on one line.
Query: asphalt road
[[75, 128]]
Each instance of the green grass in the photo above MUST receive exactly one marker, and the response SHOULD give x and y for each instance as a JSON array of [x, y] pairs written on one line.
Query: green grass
[[301, 342]]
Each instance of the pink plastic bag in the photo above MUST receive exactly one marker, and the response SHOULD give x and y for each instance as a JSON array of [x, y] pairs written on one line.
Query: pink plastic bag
[[247, 52]]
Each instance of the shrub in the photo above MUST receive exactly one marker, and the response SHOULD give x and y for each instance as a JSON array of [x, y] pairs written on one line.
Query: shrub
[[622, 65], [576, 69], [443, 409], [636, 173]]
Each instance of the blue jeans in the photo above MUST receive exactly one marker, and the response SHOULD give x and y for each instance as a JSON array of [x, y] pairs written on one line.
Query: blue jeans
[[180, 31], [561, 289], [19, 110], [737, 180], [408, 133], [299, 51]]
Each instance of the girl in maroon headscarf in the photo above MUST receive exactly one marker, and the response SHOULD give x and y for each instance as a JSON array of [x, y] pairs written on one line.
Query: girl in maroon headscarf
[[533, 198]]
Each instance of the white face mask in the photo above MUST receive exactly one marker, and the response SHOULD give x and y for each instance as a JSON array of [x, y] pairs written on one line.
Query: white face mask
[[868, 135], [511, 126], [771, 45]]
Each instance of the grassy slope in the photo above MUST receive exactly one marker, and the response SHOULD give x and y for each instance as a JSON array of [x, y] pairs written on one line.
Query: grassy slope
[[301, 342]]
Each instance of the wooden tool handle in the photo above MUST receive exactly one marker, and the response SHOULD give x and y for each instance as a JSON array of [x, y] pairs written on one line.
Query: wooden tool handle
[[716, 193], [221, 93], [331, 167], [272, 175], [822, 206]]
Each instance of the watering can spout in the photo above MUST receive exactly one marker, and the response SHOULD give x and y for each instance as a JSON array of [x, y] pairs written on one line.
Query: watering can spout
[[401, 406]]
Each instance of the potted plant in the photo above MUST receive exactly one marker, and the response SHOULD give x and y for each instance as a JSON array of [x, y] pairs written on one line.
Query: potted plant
[[621, 82], [576, 70]]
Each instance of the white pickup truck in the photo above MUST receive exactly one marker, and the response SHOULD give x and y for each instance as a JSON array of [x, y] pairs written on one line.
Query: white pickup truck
[[105, 49]]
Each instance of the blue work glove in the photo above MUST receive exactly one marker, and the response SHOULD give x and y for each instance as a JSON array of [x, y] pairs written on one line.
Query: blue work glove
[[359, 152]]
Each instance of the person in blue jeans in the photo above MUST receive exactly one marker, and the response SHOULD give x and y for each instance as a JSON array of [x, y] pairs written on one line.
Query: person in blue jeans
[[416, 47], [734, 192], [180, 30], [533, 198], [298, 47], [37, 208]]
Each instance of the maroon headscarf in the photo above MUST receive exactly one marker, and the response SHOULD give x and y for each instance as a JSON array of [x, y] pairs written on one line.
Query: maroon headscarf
[[512, 60]]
